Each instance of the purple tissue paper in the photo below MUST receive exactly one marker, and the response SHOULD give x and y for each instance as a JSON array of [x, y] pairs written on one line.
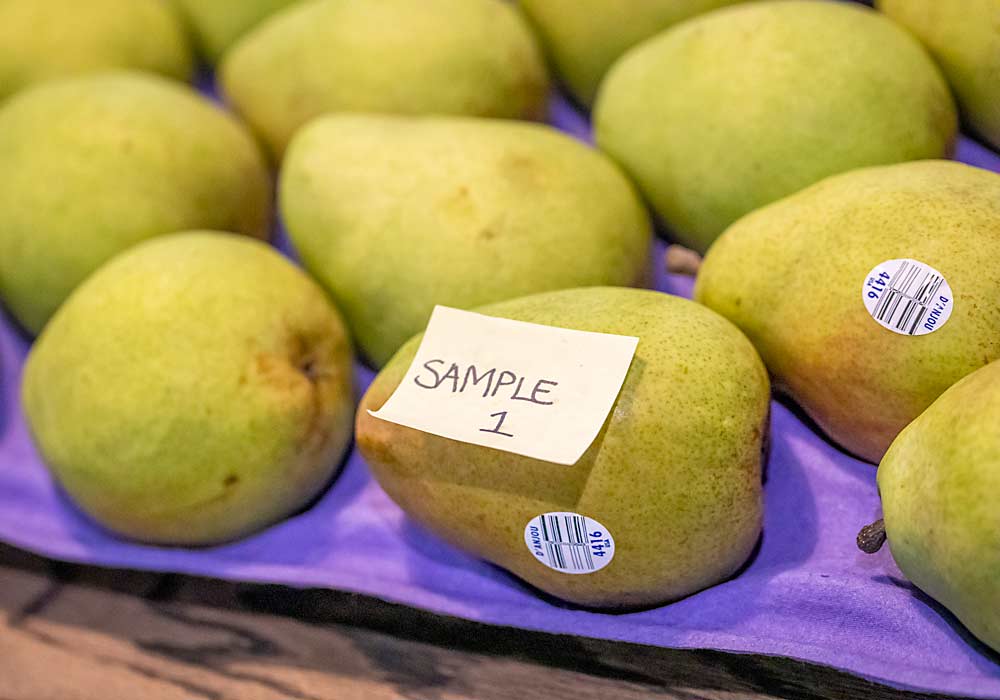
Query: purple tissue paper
[[808, 593]]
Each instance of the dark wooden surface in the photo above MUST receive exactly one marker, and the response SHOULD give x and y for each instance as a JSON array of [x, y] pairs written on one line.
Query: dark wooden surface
[[71, 632]]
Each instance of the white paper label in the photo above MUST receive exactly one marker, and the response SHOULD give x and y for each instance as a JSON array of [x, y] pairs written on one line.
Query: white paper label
[[534, 390], [907, 296], [569, 542]]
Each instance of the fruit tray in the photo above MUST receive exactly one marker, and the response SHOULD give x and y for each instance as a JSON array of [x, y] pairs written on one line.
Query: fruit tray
[[807, 593]]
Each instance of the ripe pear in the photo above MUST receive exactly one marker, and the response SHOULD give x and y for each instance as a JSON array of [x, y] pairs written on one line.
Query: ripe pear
[[964, 38], [674, 475], [218, 24], [938, 484], [583, 38], [793, 276], [397, 214], [95, 164], [194, 389], [462, 57], [740, 107], [45, 39]]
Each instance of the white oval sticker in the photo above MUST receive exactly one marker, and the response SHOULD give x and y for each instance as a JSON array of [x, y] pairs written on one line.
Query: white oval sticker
[[569, 542], [907, 296]]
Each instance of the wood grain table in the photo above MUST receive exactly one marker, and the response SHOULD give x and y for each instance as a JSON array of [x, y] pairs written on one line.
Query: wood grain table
[[71, 632]]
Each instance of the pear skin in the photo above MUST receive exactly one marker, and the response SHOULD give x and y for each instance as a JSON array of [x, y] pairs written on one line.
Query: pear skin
[[459, 57], [46, 39], [395, 215], [674, 475], [739, 107], [964, 38], [194, 389], [790, 276], [93, 165], [583, 38], [218, 24], [938, 482]]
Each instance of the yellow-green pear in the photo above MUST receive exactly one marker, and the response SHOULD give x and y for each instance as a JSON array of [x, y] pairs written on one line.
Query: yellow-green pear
[[218, 24], [674, 475], [92, 165], [194, 389], [964, 38], [462, 57], [938, 484], [868, 294], [584, 37], [742, 106], [397, 214], [45, 39]]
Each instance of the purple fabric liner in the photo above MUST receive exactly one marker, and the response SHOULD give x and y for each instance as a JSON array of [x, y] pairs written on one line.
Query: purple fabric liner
[[808, 593]]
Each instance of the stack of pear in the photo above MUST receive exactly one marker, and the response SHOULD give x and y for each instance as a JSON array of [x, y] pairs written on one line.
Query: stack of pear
[[964, 38], [397, 214], [737, 108], [95, 164], [194, 389], [938, 483], [674, 475], [583, 38], [46, 39], [791, 275], [460, 57]]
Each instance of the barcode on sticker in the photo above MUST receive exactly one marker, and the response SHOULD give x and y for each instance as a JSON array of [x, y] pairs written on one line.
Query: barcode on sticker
[[569, 542], [907, 297]]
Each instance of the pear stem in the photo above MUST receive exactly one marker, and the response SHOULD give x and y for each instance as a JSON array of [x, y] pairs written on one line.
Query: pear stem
[[682, 261], [872, 537]]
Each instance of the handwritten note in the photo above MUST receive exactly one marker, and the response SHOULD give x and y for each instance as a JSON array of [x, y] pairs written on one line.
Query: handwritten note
[[530, 389]]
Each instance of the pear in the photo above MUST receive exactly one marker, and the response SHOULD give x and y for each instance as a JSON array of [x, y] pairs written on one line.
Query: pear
[[461, 57], [194, 389], [45, 39], [937, 483], [218, 24], [674, 476], [964, 38], [742, 106], [797, 277], [397, 214], [92, 165], [583, 38]]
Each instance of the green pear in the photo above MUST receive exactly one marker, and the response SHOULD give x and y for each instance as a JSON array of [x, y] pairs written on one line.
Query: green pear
[[462, 57], [794, 276], [397, 214], [194, 389], [92, 165], [218, 24], [583, 38], [964, 37], [674, 475], [938, 484], [740, 107], [45, 39]]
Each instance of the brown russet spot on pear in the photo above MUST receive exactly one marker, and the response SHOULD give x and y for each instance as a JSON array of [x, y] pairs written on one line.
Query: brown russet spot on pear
[[790, 276], [675, 473]]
